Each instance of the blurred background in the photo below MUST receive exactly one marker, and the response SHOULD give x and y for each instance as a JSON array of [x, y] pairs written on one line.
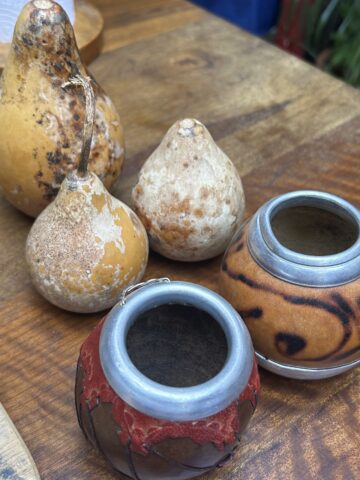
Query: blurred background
[[323, 32]]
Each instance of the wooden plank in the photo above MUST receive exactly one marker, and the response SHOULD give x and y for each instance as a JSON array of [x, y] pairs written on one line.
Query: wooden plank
[[129, 22], [15, 459], [286, 126]]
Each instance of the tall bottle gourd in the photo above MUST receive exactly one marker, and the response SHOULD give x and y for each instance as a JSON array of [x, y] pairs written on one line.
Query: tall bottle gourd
[[40, 123]]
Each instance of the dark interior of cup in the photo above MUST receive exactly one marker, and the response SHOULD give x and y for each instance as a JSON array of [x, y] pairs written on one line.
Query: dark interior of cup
[[313, 230], [177, 345]]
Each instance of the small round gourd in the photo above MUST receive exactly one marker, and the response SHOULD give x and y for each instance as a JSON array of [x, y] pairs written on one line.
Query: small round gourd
[[86, 247]]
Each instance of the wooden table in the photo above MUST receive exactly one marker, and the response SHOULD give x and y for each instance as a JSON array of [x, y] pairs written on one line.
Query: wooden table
[[286, 126]]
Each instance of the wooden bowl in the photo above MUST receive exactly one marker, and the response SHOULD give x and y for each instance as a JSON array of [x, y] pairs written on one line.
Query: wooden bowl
[[89, 26]]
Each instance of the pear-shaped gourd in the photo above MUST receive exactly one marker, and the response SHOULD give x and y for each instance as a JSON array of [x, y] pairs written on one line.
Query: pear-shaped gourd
[[189, 195], [86, 246], [40, 124]]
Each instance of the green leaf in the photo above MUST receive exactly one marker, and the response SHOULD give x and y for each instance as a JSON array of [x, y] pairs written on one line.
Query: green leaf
[[327, 21]]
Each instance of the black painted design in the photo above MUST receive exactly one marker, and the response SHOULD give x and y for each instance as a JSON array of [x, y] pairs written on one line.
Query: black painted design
[[328, 307], [341, 309], [289, 343], [343, 355], [256, 312], [343, 304], [243, 279], [313, 302]]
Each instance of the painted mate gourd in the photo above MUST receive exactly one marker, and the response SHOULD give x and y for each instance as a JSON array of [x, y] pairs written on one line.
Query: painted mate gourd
[[293, 274], [167, 382]]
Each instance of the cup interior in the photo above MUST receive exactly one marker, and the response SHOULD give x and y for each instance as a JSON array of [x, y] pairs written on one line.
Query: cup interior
[[177, 345], [314, 230]]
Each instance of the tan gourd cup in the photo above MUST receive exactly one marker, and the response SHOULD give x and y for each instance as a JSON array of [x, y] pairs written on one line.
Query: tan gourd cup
[[293, 274]]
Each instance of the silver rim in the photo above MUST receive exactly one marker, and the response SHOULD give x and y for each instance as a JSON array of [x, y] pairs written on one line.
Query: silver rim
[[297, 268], [169, 403], [303, 373]]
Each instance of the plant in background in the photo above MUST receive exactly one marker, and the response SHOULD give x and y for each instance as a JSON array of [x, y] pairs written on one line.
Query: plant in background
[[326, 32]]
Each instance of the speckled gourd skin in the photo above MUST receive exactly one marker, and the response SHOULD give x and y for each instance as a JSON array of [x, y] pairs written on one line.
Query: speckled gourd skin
[[312, 327], [40, 123], [86, 247], [189, 195]]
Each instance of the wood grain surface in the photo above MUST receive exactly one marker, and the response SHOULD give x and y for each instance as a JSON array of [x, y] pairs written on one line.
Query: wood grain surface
[[286, 126]]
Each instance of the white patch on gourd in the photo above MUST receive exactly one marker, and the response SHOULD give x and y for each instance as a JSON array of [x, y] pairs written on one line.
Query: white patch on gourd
[[118, 150], [103, 224]]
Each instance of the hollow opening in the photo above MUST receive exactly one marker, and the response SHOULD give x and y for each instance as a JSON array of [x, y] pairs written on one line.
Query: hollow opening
[[177, 345], [313, 230]]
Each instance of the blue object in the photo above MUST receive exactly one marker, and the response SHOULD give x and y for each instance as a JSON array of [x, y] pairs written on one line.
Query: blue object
[[256, 16]]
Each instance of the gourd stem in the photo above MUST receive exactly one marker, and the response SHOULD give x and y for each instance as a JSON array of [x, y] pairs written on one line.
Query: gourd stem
[[85, 83]]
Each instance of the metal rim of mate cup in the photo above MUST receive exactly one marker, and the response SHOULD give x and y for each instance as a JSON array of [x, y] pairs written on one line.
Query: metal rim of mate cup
[[301, 269], [179, 404]]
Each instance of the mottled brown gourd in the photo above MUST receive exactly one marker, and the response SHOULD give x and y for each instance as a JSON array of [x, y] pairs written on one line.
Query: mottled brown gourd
[[86, 246], [40, 123]]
